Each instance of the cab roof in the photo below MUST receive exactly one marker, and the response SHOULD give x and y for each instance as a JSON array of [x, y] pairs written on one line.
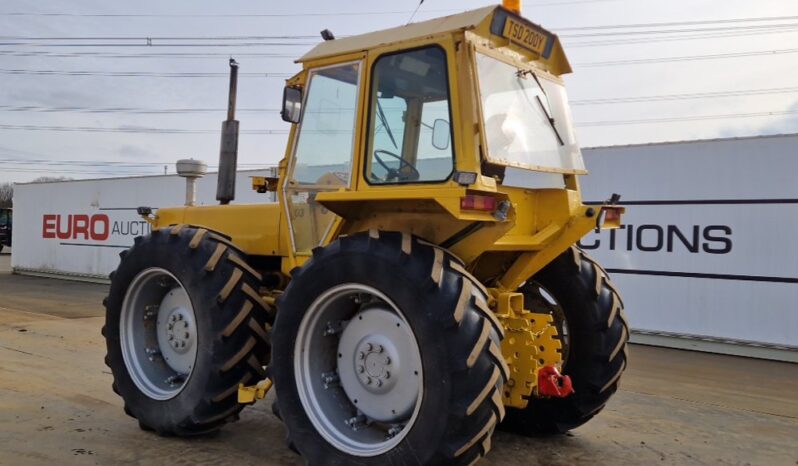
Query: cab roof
[[480, 20]]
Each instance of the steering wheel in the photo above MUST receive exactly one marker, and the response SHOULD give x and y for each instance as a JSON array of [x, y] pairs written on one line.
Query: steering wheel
[[396, 172]]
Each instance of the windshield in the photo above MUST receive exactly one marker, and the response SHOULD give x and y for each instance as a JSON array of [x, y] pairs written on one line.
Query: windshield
[[527, 119]]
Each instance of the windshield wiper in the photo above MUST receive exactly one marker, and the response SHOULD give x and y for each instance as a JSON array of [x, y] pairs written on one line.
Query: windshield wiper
[[384, 121], [552, 122]]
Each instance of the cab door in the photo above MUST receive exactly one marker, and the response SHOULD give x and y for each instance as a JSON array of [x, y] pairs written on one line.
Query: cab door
[[323, 153]]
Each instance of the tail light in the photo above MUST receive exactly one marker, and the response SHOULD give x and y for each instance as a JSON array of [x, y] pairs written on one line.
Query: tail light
[[477, 202]]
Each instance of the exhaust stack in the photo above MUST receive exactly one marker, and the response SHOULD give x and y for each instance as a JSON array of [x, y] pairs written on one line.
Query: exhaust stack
[[228, 154]]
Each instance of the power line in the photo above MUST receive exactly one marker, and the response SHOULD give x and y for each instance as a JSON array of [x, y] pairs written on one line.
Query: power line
[[645, 61], [106, 163], [98, 167], [682, 31], [142, 74], [577, 102], [644, 121], [129, 110], [217, 15], [286, 75], [78, 172], [648, 40], [152, 38], [274, 15], [92, 129], [131, 129], [678, 23], [115, 55], [151, 45], [670, 97]]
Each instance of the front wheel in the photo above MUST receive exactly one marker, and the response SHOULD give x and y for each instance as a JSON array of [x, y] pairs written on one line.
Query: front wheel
[[588, 313], [384, 353], [184, 327]]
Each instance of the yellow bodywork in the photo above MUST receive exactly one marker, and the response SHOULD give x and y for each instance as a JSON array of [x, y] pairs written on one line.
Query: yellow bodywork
[[503, 252]]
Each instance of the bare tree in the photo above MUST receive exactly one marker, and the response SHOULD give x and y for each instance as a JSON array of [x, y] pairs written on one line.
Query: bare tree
[[47, 179], [6, 194]]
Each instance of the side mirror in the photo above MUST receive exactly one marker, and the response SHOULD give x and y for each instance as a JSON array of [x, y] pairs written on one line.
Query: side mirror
[[441, 133], [292, 104]]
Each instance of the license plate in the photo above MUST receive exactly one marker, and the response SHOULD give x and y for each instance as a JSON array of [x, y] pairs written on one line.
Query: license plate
[[524, 36]]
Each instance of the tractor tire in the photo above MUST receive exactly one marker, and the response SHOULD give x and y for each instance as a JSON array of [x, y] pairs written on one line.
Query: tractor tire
[[589, 310], [435, 399], [184, 327]]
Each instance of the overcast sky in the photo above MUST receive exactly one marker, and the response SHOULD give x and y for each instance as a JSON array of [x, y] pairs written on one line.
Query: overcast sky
[[710, 55]]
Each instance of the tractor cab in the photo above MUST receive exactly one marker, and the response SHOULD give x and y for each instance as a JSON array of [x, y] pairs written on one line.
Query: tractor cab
[[452, 119]]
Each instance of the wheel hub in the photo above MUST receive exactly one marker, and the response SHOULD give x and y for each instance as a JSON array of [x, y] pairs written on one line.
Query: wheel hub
[[381, 376], [375, 358], [177, 331]]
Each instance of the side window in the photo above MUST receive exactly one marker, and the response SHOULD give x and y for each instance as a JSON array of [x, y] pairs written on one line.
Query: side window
[[409, 92], [327, 133]]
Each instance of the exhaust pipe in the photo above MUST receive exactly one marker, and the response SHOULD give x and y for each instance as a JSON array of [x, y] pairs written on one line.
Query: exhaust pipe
[[228, 155]]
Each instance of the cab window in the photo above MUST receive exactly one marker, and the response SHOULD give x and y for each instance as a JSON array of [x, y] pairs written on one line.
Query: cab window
[[409, 119]]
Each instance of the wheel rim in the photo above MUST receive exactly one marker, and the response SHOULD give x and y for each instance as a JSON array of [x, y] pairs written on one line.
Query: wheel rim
[[158, 332], [358, 370], [543, 300]]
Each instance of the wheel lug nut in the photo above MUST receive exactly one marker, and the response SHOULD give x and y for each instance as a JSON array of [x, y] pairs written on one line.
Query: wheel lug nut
[[380, 349], [171, 337], [185, 324], [368, 380], [361, 355], [387, 360], [387, 375], [369, 347], [361, 369], [379, 382]]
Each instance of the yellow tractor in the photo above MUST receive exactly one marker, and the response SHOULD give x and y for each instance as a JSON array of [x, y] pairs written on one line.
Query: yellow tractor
[[417, 284]]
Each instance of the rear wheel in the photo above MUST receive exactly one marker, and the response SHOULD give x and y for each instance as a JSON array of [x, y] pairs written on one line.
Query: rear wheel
[[184, 326], [588, 313], [385, 353]]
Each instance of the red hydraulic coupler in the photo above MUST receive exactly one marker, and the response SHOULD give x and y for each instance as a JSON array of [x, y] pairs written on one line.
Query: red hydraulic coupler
[[552, 383]]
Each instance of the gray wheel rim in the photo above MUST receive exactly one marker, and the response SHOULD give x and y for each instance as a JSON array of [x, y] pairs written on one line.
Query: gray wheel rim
[[358, 370], [158, 334]]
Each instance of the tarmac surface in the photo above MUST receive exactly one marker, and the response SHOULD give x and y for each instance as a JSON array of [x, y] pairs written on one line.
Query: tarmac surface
[[674, 407]]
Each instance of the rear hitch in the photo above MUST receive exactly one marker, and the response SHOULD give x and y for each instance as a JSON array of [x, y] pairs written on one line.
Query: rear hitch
[[552, 383]]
